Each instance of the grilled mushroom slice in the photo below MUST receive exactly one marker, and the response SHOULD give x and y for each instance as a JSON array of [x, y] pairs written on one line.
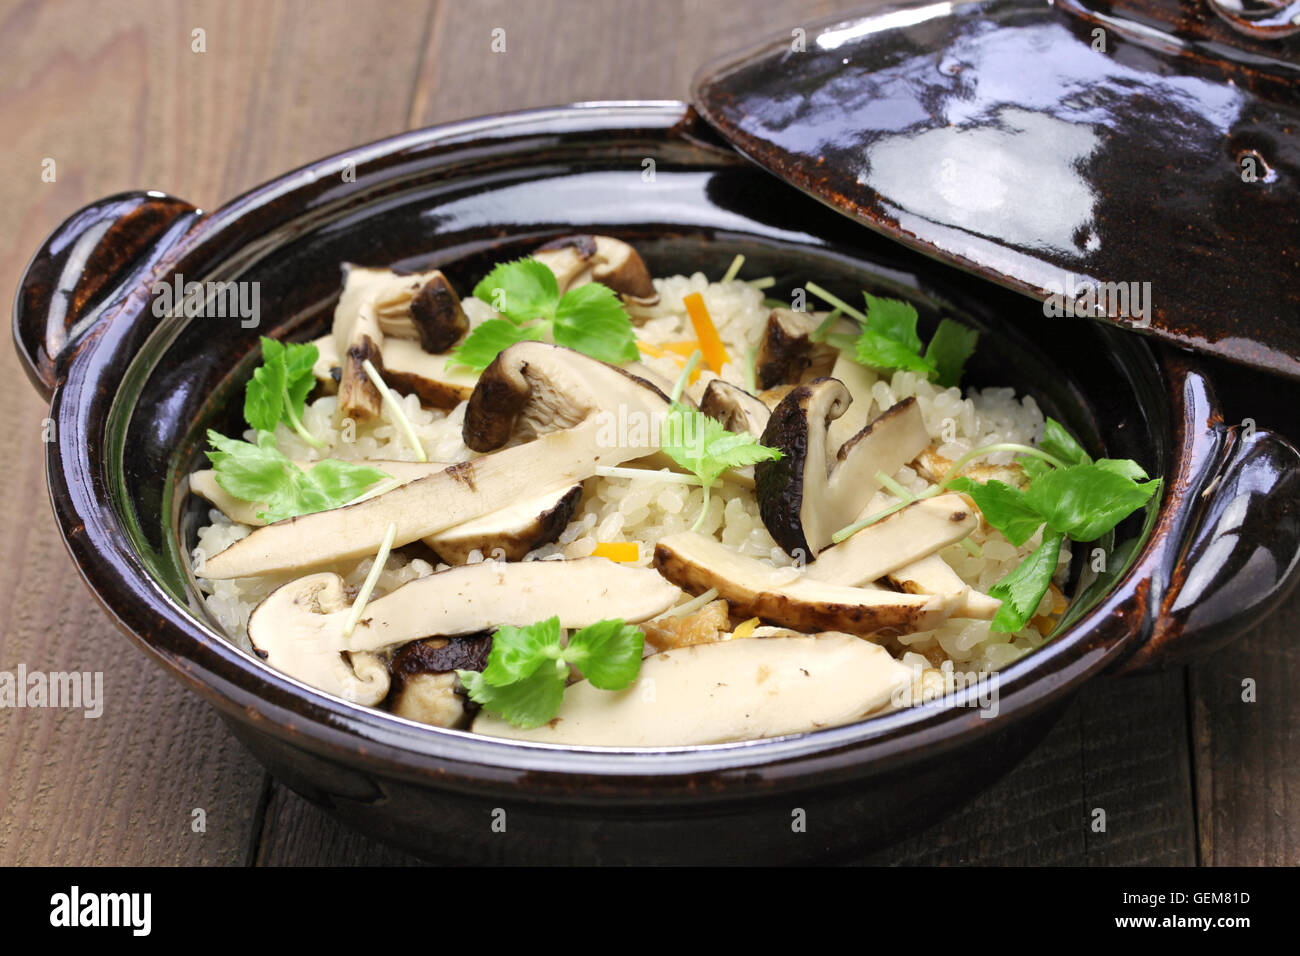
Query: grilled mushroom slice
[[733, 690], [808, 495], [424, 683], [786, 352], [506, 534], [204, 484], [735, 408], [427, 506], [511, 532], [788, 598], [858, 379], [298, 629], [932, 575], [407, 369], [908, 535], [357, 336], [420, 306], [578, 260], [533, 388]]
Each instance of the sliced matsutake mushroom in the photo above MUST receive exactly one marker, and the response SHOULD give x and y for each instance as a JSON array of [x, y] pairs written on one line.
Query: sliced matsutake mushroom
[[933, 575], [533, 388], [578, 260], [907, 535], [506, 534], [204, 484], [357, 336], [808, 494], [452, 496], [786, 353], [424, 683], [732, 690], [407, 368], [735, 408], [421, 306], [298, 629], [786, 597], [784, 350], [858, 379], [510, 532]]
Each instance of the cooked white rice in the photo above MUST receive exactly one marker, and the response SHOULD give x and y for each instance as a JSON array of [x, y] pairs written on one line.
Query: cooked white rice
[[646, 510]]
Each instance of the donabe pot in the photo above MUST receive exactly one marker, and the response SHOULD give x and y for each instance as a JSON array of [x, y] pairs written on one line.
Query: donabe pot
[[132, 394]]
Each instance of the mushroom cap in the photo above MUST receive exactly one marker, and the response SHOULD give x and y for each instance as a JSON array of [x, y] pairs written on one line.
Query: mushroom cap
[[579, 259], [532, 388], [735, 408], [438, 316], [813, 491], [291, 631], [785, 487]]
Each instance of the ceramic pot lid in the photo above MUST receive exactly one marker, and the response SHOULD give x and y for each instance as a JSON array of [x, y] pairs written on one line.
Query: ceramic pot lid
[[1141, 165]]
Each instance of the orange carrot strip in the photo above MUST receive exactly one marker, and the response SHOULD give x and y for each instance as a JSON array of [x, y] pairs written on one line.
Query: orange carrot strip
[[653, 351], [623, 551], [710, 343]]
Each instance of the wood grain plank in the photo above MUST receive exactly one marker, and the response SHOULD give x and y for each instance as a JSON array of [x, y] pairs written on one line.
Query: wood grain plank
[[297, 833], [1247, 754], [1122, 748], [114, 93], [562, 51]]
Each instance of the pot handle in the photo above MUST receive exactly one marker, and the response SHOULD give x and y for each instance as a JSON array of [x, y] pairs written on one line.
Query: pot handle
[[1238, 555], [84, 269]]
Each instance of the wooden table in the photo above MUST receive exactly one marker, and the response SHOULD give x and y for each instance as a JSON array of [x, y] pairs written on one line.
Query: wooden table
[[115, 94]]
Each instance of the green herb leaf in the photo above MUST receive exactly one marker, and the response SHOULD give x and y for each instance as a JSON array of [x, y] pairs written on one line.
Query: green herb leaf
[[949, 348], [1083, 501], [262, 473], [279, 388], [488, 340], [894, 319], [1123, 466], [1086, 501], [517, 651], [704, 447], [591, 319], [1002, 506], [521, 291], [608, 653], [889, 341], [1022, 590], [528, 666], [528, 702], [880, 351], [1060, 444]]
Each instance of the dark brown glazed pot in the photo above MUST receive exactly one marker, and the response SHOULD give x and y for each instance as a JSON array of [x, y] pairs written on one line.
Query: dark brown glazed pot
[[1041, 144], [131, 395]]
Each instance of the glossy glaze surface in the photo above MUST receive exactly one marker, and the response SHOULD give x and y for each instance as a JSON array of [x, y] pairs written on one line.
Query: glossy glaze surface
[[137, 393], [1040, 145]]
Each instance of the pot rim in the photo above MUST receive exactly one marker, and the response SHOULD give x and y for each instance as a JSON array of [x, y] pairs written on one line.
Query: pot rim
[[247, 690]]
